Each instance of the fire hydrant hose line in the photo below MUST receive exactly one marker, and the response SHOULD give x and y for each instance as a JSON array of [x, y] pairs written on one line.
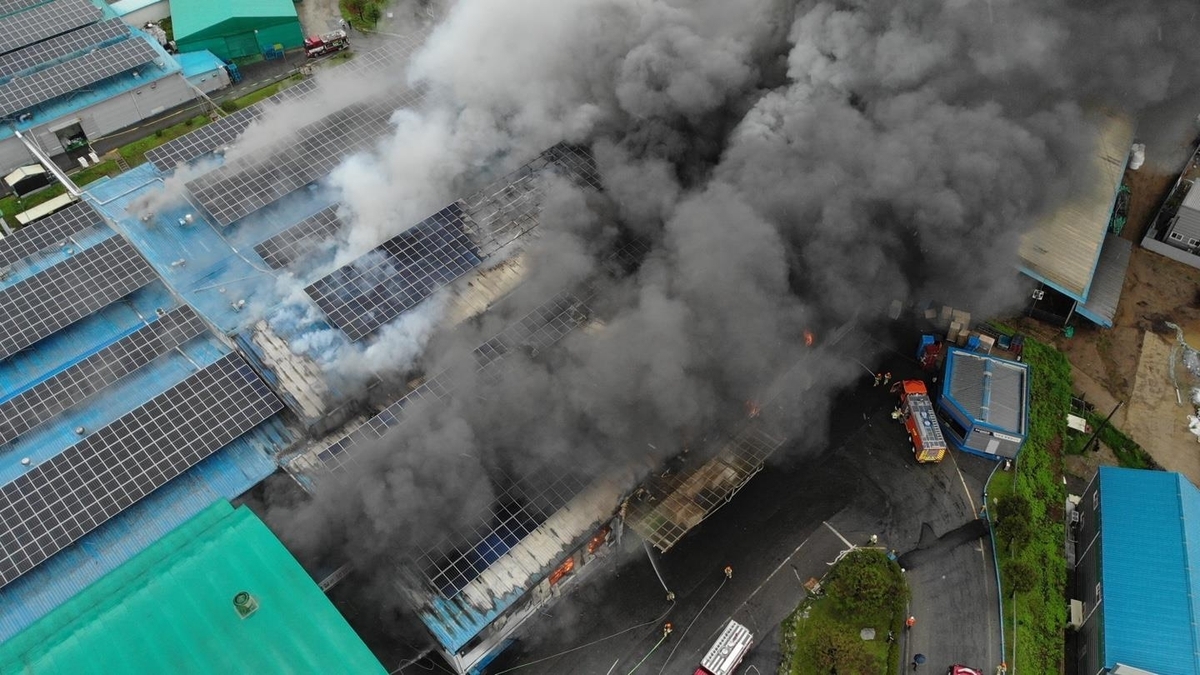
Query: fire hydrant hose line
[[726, 578], [657, 619], [653, 649]]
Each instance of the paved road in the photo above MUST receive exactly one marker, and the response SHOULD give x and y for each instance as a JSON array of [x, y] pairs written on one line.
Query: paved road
[[785, 526]]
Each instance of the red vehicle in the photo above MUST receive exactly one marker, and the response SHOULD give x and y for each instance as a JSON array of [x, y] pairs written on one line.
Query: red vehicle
[[959, 669], [727, 652], [320, 45], [916, 409]]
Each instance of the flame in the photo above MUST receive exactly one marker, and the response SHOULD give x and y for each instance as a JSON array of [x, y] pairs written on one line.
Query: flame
[[809, 338], [752, 409]]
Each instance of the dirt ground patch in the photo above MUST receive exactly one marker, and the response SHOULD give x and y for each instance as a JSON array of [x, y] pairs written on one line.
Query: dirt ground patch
[[1156, 419]]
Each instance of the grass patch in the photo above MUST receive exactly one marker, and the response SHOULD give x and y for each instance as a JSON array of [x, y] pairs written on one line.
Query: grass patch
[[864, 590], [1129, 453], [135, 152], [10, 206], [1036, 567]]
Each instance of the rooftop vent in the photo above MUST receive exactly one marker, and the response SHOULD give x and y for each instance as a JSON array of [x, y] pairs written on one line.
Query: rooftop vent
[[245, 604]]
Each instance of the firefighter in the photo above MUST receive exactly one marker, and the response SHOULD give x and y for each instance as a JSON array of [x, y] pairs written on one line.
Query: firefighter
[[878, 378], [728, 571], [887, 377], [910, 622]]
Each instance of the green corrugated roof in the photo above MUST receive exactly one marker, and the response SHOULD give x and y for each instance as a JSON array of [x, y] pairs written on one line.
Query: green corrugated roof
[[192, 17], [170, 610]]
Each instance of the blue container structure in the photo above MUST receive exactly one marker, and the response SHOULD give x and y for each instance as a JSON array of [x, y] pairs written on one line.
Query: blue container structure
[[984, 404]]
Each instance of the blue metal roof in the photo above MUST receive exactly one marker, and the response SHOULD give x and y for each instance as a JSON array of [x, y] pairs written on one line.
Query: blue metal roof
[[64, 106], [220, 265], [1150, 548], [227, 473], [197, 63]]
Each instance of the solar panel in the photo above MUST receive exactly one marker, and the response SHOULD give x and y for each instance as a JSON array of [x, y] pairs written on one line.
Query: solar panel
[[44, 233], [80, 285], [67, 388], [238, 189], [64, 45], [298, 240], [226, 130], [39, 86], [62, 499], [396, 275], [10, 6], [44, 21]]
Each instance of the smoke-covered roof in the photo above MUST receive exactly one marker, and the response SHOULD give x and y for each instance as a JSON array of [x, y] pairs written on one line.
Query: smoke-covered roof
[[1063, 248]]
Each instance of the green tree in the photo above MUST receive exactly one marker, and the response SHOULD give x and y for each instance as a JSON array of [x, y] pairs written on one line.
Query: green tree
[[835, 650], [373, 12], [1013, 517], [1020, 576], [862, 582]]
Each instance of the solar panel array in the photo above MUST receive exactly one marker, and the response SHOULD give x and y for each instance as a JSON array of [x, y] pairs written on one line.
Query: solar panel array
[[43, 85], [104, 368], [62, 499], [507, 208], [44, 21], [226, 130], [521, 505], [240, 188], [10, 6], [53, 230], [300, 239], [57, 297], [396, 275], [63, 45]]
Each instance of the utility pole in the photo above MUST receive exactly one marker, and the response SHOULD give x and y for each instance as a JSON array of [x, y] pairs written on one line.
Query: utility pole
[[1102, 426]]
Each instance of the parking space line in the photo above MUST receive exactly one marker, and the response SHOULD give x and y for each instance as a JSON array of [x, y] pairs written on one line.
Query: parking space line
[[839, 534]]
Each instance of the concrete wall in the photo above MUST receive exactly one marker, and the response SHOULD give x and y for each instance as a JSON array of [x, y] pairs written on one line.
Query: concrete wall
[[1171, 252], [1088, 640], [210, 81], [101, 119]]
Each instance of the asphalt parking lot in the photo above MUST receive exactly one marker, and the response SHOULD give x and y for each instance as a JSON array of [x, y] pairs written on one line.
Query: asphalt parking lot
[[787, 525]]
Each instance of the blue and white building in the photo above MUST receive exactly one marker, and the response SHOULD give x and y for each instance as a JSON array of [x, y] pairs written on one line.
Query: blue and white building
[[1135, 593], [984, 404]]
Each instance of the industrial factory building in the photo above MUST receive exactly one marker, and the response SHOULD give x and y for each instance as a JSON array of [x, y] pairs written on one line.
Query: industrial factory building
[[150, 368], [218, 594], [1078, 263], [984, 404], [236, 29], [1134, 543], [72, 72]]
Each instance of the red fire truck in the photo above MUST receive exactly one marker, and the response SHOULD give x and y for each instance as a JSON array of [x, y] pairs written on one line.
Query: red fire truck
[[728, 651], [916, 409], [328, 43]]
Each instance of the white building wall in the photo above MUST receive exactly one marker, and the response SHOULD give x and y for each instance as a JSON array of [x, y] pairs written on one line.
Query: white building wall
[[211, 81], [103, 118]]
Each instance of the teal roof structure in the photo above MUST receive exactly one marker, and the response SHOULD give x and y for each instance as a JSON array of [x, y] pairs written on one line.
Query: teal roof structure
[[1150, 570], [170, 609], [192, 19]]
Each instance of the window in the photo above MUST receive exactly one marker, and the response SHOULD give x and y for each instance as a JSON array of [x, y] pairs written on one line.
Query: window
[[1097, 593], [1192, 241], [1096, 500], [1176, 236]]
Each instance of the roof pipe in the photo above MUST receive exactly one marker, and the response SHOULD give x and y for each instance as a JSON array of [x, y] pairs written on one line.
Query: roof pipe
[[45, 160]]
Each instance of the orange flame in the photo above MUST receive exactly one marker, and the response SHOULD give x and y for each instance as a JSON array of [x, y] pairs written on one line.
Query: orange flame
[[752, 409], [809, 338]]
